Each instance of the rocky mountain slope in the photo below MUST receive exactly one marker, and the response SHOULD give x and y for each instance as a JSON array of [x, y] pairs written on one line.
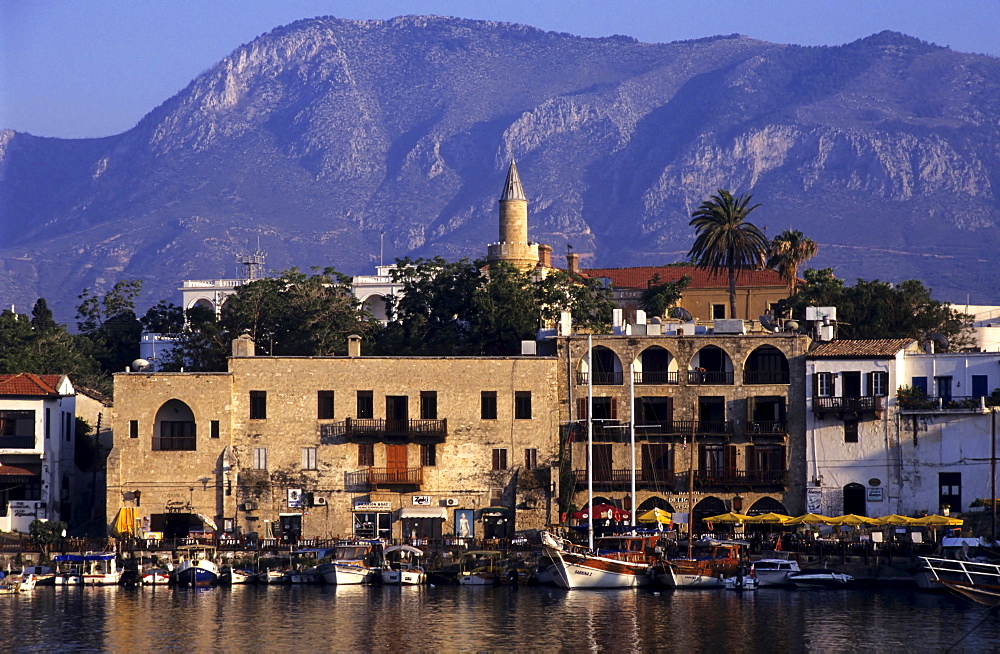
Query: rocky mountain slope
[[321, 135]]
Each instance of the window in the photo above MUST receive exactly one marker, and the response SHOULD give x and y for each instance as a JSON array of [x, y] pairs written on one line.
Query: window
[[919, 384], [605, 408], [428, 454], [133, 429], [17, 429], [850, 431], [176, 436], [366, 454], [522, 405], [879, 384], [260, 458], [214, 429], [718, 312], [308, 458], [48, 423], [428, 405], [258, 405], [488, 405], [68, 425], [366, 405], [500, 458], [530, 458], [496, 497], [980, 384], [324, 405], [824, 384]]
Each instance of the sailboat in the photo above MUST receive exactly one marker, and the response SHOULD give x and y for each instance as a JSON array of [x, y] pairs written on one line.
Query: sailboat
[[615, 561]]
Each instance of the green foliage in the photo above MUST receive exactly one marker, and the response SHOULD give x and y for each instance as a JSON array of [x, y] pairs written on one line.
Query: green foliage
[[789, 250], [110, 324], [41, 316], [725, 241], [660, 296], [164, 318], [46, 349], [874, 309], [586, 299], [46, 533]]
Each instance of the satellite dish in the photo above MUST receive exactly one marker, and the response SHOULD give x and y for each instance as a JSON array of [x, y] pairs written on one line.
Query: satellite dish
[[141, 365], [682, 314], [767, 322], [940, 341], [791, 325]]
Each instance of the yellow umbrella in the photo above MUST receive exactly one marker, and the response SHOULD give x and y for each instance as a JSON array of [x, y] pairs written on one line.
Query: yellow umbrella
[[810, 519], [727, 517], [852, 519], [894, 519], [769, 519], [935, 520], [656, 515], [125, 524]]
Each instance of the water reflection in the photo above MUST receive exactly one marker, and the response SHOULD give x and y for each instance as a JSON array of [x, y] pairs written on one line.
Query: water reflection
[[451, 618]]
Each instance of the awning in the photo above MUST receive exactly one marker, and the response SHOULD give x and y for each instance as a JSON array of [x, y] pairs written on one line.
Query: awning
[[494, 512], [16, 475], [423, 512], [125, 524], [208, 521]]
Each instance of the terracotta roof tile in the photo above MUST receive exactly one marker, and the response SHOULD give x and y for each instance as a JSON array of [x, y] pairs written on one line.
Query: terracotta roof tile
[[700, 278], [879, 348], [26, 383]]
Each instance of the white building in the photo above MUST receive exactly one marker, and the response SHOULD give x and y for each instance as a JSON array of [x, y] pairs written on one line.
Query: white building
[[37, 444], [872, 452]]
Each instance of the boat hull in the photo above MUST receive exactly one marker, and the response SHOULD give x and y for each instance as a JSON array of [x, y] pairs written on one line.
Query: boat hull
[[344, 573], [806, 580], [198, 573], [573, 570]]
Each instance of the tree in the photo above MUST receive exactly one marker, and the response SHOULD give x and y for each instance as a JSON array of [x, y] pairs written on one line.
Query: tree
[[789, 250], [110, 324], [587, 300], [53, 351], [163, 318], [46, 533], [660, 296], [41, 316], [725, 241]]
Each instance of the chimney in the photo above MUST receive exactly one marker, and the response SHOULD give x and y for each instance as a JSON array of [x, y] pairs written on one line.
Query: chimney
[[573, 262], [243, 346], [544, 255], [353, 345]]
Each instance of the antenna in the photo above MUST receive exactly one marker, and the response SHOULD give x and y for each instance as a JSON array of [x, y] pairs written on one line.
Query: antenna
[[253, 264], [381, 247]]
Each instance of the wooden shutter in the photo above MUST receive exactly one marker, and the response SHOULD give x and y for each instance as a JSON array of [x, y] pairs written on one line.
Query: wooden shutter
[[581, 408], [751, 458], [729, 459], [614, 408]]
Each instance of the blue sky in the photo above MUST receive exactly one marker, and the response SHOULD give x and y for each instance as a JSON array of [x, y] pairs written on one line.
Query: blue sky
[[75, 68]]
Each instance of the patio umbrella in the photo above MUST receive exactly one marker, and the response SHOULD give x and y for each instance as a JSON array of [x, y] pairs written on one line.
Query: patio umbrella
[[852, 519], [656, 515], [935, 520], [730, 517], [603, 512], [810, 519], [894, 519], [769, 519]]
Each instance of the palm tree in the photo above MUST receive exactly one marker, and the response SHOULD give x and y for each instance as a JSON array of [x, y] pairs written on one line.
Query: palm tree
[[789, 250], [725, 241]]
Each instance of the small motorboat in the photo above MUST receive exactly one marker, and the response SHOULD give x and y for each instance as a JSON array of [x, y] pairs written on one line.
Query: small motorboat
[[356, 562], [742, 580], [820, 578], [21, 583], [400, 569], [154, 577], [229, 575], [197, 567], [775, 571]]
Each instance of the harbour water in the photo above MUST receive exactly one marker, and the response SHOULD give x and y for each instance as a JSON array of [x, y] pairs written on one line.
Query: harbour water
[[453, 618]]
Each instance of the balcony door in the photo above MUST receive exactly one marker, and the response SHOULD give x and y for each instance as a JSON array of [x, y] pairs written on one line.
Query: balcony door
[[397, 414], [602, 463], [395, 462], [851, 384]]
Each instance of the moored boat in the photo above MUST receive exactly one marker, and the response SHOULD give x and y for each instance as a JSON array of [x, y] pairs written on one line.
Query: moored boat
[[197, 567], [819, 578], [973, 580], [619, 562], [401, 567], [101, 569], [355, 562], [68, 570], [230, 575], [20, 583], [775, 571], [710, 562]]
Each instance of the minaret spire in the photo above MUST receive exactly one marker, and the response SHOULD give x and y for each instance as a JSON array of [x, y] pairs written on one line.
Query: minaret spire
[[512, 189], [513, 245]]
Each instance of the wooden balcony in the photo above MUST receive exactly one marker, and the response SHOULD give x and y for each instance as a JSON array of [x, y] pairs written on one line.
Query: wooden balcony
[[622, 479], [849, 405], [373, 477], [703, 377], [378, 429], [740, 478]]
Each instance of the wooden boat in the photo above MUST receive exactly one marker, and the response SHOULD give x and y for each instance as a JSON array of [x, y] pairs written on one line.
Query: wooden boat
[[355, 562], [399, 569], [44, 574], [197, 566], [979, 582], [230, 576], [154, 577], [480, 568], [618, 562], [819, 578], [710, 562], [273, 576]]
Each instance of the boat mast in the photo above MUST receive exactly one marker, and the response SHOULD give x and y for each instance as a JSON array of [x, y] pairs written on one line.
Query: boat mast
[[631, 399], [690, 553], [993, 476], [590, 439]]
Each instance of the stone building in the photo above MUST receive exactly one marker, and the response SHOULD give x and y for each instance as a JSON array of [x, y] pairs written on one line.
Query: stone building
[[337, 446], [728, 409]]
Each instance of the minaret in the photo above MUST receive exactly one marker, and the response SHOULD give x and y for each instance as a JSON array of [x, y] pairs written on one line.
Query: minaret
[[513, 245]]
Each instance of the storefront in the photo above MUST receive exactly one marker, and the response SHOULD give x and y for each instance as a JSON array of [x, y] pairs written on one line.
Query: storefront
[[421, 523], [373, 520], [496, 521]]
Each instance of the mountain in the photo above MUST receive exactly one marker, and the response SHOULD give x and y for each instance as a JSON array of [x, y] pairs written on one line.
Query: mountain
[[321, 135]]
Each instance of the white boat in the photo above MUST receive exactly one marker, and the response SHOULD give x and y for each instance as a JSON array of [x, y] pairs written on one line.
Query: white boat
[[775, 571], [741, 582], [101, 569], [154, 577], [197, 567], [399, 569], [44, 574], [973, 580], [21, 583], [68, 569], [620, 562], [480, 568], [356, 562], [270, 577], [819, 578]]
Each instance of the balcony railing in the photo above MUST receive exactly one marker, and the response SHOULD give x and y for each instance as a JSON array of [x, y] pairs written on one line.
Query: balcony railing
[[391, 428], [956, 404], [17, 442], [175, 444], [648, 377], [710, 377], [614, 431], [766, 428], [711, 477], [766, 377], [602, 378], [623, 478], [385, 477], [859, 404]]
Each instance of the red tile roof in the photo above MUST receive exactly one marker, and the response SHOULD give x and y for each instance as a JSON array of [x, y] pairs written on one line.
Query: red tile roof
[[14, 471], [26, 383], [881, 349], [700, 278]]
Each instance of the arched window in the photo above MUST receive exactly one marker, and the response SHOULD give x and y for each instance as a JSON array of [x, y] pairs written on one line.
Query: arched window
[[607, 368], [376, 305], [654, 502], [767, 505], [174, 429], [854, 500], [711, 365], [656, 366], [766, 365]]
